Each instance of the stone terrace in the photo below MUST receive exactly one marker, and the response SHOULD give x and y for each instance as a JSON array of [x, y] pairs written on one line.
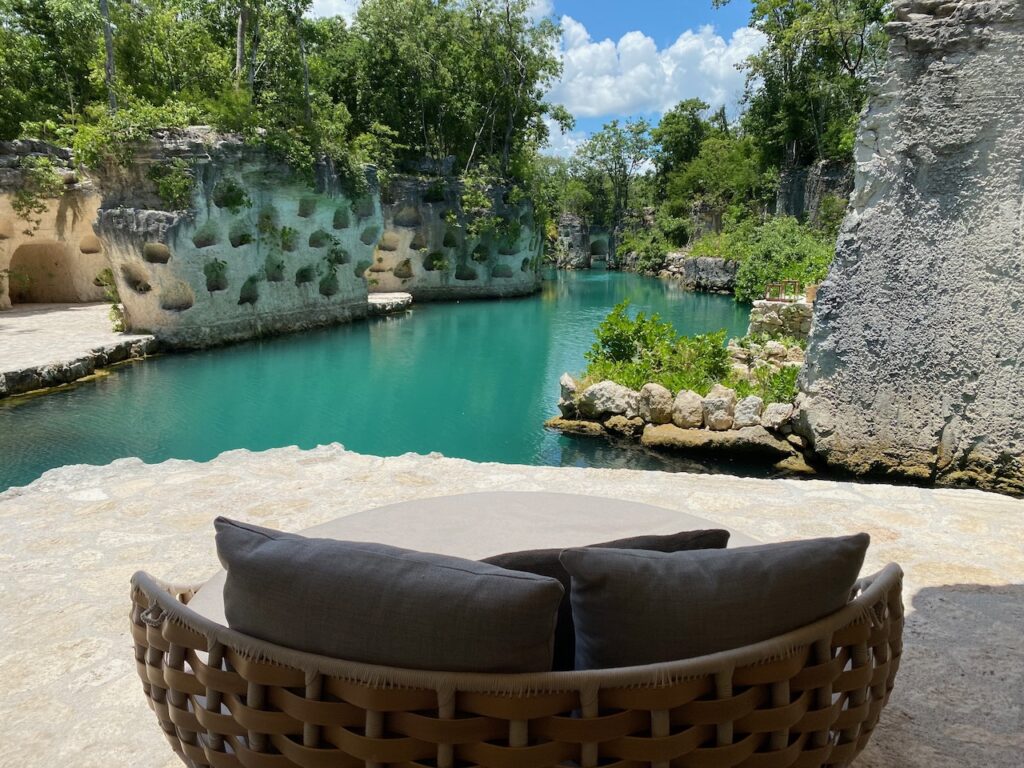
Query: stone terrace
[[71, 541], [50, 344]]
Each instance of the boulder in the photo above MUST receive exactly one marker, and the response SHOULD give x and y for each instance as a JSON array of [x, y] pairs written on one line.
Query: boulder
[[655, 404], [748, 412], [776, 416], [608, 398], [620, 425], [796, 464], [568, 386], [719, 408], [688, 410], [575, 427], [748, 441], [567, 401]]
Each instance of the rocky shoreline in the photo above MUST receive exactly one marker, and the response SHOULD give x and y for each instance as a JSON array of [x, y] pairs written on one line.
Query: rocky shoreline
[[22, 381], [687, 423]]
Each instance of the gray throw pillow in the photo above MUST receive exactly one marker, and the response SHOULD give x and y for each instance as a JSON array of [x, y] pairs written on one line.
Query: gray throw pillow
[[383, 605], [636, 607], [545, 562]]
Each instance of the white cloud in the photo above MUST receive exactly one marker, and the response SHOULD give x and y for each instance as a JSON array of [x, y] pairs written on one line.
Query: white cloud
[[608, 79], [346, 8], [562, 144]]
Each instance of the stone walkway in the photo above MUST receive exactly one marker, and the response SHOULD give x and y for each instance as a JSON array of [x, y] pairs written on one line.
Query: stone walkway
[[45, 345], [70, 541], [42, 334]]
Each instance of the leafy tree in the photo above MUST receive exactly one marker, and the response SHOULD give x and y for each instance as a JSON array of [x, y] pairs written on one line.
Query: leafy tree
[[617, 154], [807, 85], [679, 135], [725, 176]]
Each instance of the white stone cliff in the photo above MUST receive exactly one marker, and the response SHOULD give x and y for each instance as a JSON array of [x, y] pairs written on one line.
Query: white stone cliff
[[915, 364]]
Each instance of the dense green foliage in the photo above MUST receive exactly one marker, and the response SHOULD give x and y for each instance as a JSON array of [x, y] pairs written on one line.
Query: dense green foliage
[[779, 249], [633, 351], [458, 81], [639, 350], [696, 171], [807, 85]]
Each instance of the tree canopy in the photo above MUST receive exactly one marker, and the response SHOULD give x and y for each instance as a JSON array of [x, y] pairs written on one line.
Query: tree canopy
[[408, 80]]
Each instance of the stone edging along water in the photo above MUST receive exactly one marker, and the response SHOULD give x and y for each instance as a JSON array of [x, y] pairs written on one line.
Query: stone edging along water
[[54, 374], [718, 423], [39, 377]]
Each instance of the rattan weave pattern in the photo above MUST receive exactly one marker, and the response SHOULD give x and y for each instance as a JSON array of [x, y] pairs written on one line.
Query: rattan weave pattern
[[809, 699]]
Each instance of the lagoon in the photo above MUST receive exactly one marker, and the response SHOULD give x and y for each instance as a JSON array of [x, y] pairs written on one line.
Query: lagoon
[[472, 380]]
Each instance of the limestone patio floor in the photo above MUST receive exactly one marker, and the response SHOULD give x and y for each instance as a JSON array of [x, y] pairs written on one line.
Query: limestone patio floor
[[33, 335], [69, 694]]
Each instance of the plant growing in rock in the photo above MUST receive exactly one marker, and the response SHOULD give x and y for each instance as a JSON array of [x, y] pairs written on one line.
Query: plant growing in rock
[[227, 193], [640, 350], [173, 182], [105, 280], [650, 247], [216, 272], [40, 182], [289, 238], [771, 386]]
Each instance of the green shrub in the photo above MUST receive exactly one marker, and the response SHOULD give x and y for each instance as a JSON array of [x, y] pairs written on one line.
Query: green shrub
[[636, 351], [771, 386], [228, 193], [650, 247], [112, 136], [831, 212], [173, 181], [782, 249]]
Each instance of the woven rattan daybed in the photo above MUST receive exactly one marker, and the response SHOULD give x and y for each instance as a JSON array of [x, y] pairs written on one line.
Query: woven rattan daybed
[[808, 698]]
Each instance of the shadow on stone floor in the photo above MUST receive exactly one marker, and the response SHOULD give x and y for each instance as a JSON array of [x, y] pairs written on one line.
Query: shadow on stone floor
[[959, 696]]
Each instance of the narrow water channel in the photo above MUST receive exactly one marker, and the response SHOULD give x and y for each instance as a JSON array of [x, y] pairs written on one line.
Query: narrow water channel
[[473, 380]]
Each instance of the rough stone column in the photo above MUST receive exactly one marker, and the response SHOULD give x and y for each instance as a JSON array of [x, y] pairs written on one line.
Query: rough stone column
[[915, 361]]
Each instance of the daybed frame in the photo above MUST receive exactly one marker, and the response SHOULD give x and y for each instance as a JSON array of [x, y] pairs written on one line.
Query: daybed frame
[[806, 699]]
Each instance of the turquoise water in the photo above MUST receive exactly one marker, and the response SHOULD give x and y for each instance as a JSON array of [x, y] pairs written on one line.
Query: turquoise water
[[474, 380]]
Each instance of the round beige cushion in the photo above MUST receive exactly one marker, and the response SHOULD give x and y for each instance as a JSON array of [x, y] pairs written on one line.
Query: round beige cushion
[[479, 525]]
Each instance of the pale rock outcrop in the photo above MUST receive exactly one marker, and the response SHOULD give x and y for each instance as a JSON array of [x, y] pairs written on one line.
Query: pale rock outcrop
[[688, 410], [257, 249], [748, 412], [751, 441], [655, 404], [620, 425], [914, 362], [608, 398], [52, 256], [703, 273], [776, 416], [567, 400], [572, 249], [719, 408], [579, 427], [803, 191]]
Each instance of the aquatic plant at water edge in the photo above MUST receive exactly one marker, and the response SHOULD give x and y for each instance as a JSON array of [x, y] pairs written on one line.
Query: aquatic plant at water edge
[[639, 350]]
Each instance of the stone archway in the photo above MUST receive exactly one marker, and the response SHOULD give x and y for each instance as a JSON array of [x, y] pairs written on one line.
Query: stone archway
[[42, 272]]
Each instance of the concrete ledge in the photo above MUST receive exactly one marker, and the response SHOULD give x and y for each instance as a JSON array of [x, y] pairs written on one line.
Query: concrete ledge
[[54, 374], [388, 303]]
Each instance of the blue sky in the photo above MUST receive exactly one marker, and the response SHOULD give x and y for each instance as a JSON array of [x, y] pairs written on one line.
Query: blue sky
[[662, 20], [628, 58]]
